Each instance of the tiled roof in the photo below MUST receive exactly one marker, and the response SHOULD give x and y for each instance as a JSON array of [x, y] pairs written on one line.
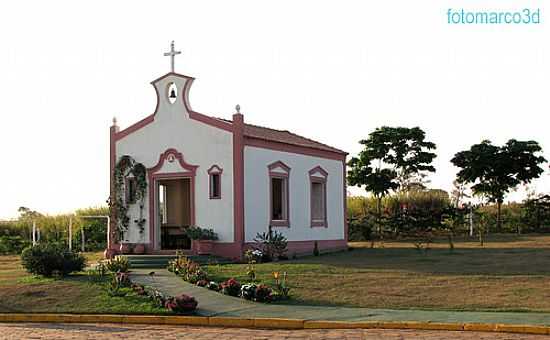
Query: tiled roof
[[284, 136]]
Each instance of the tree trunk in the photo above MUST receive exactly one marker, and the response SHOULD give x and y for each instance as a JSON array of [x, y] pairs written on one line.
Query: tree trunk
[[499, 205]]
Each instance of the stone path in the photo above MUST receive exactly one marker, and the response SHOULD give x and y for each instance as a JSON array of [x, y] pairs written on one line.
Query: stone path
[[215, 304], [17, 331]]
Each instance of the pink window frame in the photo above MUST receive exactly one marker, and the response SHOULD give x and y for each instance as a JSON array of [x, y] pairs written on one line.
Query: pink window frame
[[286, 177], [318, 175], [214, 170]]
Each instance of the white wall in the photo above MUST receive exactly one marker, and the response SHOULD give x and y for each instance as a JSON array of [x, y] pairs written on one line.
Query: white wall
[[256, 195], [200, 144]]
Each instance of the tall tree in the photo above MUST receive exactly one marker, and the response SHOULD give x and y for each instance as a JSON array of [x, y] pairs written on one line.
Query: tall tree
[[494, 170], [392, 157]]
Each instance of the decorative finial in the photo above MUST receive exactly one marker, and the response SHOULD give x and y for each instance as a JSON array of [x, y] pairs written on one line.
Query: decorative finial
[[172, 54], [114, 121], [238, 108]]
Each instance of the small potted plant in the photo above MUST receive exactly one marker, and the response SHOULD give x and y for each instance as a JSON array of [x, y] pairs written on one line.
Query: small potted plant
[[203, 239]]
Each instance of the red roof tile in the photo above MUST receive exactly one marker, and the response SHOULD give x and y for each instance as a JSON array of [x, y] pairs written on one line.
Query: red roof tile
[[284, 136]]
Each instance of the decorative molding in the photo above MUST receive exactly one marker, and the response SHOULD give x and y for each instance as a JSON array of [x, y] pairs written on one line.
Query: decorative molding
[[214, 169], [169, 155], [278, 164], [318, 169]]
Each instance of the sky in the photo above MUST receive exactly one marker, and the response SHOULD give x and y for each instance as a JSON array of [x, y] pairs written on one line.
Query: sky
[[332, 71]]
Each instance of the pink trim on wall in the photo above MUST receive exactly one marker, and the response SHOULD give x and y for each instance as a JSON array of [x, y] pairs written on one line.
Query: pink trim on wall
[[192, 114], [315, 178], [286, 176], [111, 228], [238, 181], [302, 150], [214, 170], [220, 124], [306, 247], [168, 155]]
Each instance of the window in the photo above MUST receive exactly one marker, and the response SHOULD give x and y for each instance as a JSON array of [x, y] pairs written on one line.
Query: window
[[278, 199], [279, 194], [131, 189], [215, 186], [215, 182], [318, 201]]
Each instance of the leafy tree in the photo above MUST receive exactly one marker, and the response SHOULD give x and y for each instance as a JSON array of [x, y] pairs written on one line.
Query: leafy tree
[[494, 170], [392, 157]]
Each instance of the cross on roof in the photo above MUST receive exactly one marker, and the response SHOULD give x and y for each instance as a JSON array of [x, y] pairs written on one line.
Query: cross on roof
[[172, 54]]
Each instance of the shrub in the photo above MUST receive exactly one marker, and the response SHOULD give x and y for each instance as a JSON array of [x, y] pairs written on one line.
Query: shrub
[[181, 304], [197, 233], [273, 244], [263, 294], [118, 264], [248, 291], [47, 259], [202, 283], [212, 285], [231, 287], [13, 244]]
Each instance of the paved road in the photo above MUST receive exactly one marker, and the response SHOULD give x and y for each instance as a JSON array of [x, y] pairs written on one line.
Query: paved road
[[118, 331]]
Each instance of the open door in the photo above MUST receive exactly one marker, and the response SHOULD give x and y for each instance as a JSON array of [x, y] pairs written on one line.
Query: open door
[[174, 213]]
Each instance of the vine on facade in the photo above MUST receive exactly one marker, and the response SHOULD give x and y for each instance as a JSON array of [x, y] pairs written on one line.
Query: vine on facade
[[126, 167]]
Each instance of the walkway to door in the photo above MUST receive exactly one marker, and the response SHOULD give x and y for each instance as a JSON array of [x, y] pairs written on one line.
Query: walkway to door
[[215, 304]]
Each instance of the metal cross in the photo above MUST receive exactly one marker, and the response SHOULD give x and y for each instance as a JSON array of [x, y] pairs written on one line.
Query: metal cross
[[172, 54]]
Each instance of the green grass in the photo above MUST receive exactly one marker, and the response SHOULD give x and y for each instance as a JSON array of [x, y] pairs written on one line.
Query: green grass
[[22, 292], [510, 273]]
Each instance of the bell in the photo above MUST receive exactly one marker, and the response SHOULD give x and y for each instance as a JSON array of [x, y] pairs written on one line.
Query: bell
[[173, 94]]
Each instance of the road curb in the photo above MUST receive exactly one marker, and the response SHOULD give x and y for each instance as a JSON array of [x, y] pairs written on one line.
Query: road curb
[[269, 323]]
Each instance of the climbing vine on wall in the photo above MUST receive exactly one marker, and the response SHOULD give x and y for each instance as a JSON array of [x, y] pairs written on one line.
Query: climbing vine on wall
[[125, 167]]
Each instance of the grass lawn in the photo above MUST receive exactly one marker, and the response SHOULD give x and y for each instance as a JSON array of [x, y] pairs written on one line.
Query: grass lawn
[[510, 273], [22, 292]]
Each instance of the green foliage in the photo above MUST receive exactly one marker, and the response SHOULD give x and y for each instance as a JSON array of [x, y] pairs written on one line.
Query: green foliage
[[50, 259], [124, 168], [231, 287], [119, 264], [198, 233], [493, 171], [272, 244], [12, 244], [392, 157], [536, 213]]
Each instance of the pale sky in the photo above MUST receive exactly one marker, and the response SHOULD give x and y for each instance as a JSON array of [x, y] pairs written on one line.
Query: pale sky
[[331, 71]]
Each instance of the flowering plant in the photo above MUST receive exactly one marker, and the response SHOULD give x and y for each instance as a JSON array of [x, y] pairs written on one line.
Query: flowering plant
[[181, 304], [248, 291], [263, 294], [231, 287]]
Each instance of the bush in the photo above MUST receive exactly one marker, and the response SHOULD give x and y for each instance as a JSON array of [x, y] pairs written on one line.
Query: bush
[[263, 294], [197, 233], [13, 244], [231, 287], [181, 304], [248, 291], [119, 264], [48, 259]]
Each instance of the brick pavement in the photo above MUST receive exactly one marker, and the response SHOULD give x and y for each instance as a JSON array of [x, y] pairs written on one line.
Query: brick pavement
[[119, 331]]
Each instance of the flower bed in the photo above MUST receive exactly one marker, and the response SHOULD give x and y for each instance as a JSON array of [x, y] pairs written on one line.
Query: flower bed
[[193, 273]]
